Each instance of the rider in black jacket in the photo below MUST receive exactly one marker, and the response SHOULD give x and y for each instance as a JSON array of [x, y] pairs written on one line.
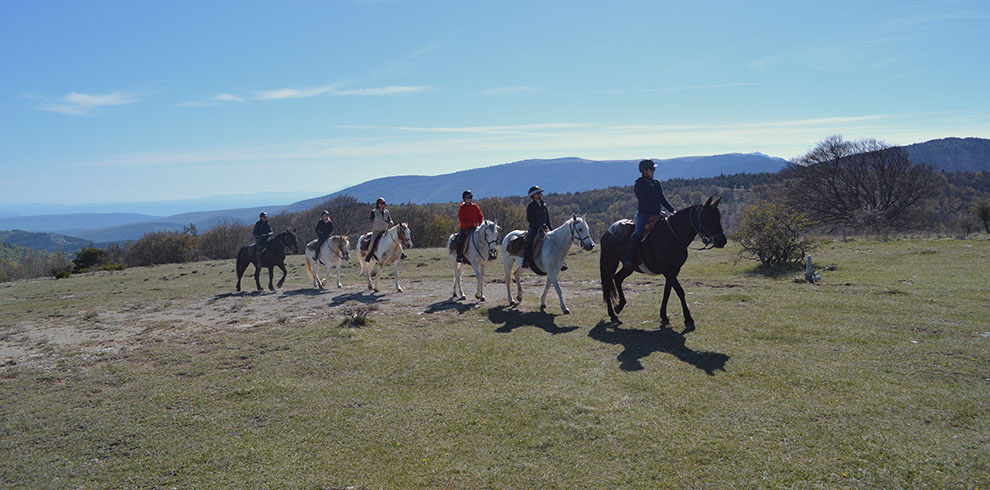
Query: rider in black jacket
[[262, 232], [324, 228], [651, 202], [538, 217]]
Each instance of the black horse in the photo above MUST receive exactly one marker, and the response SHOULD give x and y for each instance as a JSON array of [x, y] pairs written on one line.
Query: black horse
[[273, 256], [664, 251]]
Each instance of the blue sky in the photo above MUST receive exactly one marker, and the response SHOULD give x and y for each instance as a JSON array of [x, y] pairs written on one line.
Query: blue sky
[[135, 101]]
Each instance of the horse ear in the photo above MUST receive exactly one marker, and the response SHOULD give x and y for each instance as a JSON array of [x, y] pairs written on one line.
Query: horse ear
[[574, 216], [709, 202], [716, 202]]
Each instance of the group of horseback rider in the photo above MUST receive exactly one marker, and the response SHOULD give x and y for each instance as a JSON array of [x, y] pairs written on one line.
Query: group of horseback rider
[[649, 194]]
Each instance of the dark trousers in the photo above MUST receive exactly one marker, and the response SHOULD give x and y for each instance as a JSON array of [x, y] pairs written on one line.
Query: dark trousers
[[259, 245], [528, 245], [374, 245], [320, 240]]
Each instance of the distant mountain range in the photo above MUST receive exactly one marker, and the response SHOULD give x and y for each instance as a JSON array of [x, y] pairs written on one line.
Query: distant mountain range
[[560, 175]]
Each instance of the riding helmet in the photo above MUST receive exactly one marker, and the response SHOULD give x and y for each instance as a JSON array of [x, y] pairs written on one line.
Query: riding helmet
[[263, 214], [535, 190], [466, 194], [326, 212], [380, 200], [646, 165]]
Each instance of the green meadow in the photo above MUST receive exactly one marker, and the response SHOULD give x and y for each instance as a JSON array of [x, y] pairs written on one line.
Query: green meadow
[[877, 376]]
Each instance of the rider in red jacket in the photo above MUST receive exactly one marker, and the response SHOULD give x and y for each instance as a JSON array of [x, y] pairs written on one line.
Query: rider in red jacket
[[468, 216]]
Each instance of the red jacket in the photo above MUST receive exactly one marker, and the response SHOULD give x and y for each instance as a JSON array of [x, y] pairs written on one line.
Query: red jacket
[[469, 216]]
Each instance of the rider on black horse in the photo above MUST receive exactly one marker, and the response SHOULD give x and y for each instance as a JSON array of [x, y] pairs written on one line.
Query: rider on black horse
[[651, 202], [324, 228], [468, 216], [262, 233]]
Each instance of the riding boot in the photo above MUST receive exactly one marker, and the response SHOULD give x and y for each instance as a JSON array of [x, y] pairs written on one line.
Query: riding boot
[[563, 266], [630, 259]]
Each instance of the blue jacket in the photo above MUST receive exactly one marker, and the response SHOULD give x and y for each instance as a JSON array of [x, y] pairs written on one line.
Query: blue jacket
[[650, 196]]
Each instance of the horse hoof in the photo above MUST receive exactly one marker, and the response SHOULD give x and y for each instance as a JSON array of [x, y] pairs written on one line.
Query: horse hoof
[[688, 327], [478, 296], [615, 320], [618, 308], [481, 298], [398, 290], [664, 322], [566, 311], [519, 298]]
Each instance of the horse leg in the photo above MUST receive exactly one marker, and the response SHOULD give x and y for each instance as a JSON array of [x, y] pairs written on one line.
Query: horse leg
[[455, 294], [688, 321], [337, 266], [507, 265], [257, 276], [479, 273], [546, 289], [560, 295], [664, 320], [395, 273], [619, 277], [284, 273], [240, 271], [271, 276]]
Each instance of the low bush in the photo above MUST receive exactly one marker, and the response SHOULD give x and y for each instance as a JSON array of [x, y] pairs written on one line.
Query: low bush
[[773, 233], [161, 248]]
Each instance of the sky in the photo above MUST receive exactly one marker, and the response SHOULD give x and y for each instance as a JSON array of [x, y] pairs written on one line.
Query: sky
[[108, 101]]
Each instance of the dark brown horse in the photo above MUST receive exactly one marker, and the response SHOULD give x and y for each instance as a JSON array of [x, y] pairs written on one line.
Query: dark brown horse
[[273, 256], [662, 252]]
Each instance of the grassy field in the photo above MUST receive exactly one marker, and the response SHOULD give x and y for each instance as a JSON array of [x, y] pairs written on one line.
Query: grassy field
[[878, 376]]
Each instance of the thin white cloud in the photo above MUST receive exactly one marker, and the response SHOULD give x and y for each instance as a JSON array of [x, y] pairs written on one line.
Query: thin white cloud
[[391, 90], [407, 61], [509, 90], [80, 104], [304, 93]]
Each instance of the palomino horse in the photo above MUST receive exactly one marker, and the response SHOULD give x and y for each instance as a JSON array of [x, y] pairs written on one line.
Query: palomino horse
[[332, 253], [273, 256], [551, 257], [664, 250], [481, 245], [389, 252]]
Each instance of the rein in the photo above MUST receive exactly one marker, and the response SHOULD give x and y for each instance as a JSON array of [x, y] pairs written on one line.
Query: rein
[[474, 241], [574, 236], [706, 236]]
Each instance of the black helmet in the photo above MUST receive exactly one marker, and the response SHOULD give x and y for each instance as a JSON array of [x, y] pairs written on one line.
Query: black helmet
[[263, 214], [534, 190], [466, 194], [326, 213], [646, 165]]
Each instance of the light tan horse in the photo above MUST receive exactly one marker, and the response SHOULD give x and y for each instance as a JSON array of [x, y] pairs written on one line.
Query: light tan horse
[[332, 253], [389, 252]]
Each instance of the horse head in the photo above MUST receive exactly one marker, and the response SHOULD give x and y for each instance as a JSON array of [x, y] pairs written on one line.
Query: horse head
[[344, 246], [405, 237], [710, 224], [489, 231], [288, 240], [581, 233]]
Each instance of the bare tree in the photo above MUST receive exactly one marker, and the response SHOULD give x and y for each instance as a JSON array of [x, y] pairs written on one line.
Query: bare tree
[[224, 240], [864, 184]]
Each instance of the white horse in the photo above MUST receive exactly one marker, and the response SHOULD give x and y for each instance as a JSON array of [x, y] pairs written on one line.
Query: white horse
[[389, 252], [550, 258], [480, 247], [333, 251]]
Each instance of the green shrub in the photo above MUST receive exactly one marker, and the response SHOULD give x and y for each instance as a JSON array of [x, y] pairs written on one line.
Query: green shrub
[[89, 259], [772, 233]]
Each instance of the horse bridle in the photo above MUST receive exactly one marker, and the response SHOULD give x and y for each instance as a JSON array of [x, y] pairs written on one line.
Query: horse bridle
[[574, 235], [490, 243], [706, 236], [399, 234]]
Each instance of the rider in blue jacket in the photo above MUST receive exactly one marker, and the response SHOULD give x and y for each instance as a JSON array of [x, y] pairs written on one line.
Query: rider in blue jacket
[[651, 202]]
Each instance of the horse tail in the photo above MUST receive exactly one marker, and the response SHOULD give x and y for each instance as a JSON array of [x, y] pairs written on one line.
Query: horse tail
[[309, 268], [607, 263], [241, 260]]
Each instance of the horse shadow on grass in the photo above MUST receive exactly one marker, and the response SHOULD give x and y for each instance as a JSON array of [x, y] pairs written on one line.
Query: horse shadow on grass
[[368, 299], [642, 343], [447, 305], [306, 292], [512, 319]]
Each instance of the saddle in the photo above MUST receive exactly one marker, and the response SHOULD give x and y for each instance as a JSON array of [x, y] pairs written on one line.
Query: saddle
[[467, 238], [311, 245], [517, 245], [624, 228], [365, 242]]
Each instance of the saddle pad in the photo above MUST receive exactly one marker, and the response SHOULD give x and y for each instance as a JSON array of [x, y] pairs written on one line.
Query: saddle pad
[[622, 229], [652, 222], [365, 242]]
